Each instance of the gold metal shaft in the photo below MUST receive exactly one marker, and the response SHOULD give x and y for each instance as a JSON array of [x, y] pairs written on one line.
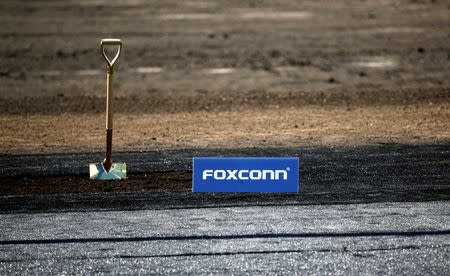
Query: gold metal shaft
[[107, 163]]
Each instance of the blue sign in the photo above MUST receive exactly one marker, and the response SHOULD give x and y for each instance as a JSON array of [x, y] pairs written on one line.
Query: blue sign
[[245, 175]]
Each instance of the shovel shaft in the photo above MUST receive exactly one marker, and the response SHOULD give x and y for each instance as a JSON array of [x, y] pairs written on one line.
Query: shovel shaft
[[109, 117], [109, 97], [108, 162]]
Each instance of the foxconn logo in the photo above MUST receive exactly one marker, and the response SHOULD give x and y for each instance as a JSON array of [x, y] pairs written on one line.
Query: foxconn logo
[[245, 174]]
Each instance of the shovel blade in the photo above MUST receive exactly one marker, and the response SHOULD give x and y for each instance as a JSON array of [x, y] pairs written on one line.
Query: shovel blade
[[117, 171]]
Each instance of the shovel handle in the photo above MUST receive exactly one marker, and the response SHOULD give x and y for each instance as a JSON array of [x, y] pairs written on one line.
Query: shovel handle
[[109, 80], [109, 96], [111, 41]]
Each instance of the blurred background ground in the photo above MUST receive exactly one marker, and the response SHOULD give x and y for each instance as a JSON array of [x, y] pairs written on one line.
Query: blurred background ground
[[197, 74], [52, 47]]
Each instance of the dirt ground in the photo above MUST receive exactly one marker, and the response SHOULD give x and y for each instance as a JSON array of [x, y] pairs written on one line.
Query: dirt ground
[[51, 47], [260, 119], [179, 180], [223, 74], [405, 116]]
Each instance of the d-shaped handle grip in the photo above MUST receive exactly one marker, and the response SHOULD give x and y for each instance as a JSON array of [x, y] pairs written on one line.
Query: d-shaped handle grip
[[111, 41]]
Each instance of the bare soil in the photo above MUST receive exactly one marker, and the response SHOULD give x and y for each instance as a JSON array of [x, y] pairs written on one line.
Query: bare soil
[[222, 74], [52, 48], [258, 119], [178, 180], [239, 120]]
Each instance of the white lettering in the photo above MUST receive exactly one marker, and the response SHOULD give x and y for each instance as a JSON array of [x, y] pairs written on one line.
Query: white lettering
[[245, 174], [240, 174], [207, 173], [270, 172], [277, 174], [253, 173], [222, 176], [232, 174]]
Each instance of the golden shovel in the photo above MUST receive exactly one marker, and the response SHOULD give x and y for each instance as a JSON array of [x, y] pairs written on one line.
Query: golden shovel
[[107, 169]]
